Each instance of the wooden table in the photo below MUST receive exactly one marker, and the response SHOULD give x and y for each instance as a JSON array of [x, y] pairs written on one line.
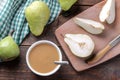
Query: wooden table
[[18, 70]]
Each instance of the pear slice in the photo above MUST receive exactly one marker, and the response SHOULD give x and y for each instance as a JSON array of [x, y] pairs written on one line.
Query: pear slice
[[80, 45], [91, 26], [108, 12]]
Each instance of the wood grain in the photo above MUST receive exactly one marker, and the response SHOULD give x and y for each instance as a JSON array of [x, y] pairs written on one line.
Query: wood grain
[[88, 2], [100, 55], [100, 41], [18, 70]]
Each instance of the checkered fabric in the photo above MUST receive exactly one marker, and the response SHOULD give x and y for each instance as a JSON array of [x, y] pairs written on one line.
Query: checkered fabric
[[12, 17]]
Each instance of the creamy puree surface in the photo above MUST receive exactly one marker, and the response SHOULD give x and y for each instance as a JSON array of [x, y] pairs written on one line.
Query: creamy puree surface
[[42, 58]]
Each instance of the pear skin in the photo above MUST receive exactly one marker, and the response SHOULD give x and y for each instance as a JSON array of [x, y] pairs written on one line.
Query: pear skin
[[37, 15], [66, 4], [9, 50]]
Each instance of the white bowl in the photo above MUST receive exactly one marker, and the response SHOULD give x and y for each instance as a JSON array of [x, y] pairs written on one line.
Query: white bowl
[[35, 44]]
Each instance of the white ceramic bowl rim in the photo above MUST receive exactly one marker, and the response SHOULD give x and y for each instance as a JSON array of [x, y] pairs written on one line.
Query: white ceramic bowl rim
[[37, 43]]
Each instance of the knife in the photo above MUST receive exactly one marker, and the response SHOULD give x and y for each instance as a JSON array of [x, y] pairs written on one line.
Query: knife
[[102, 53]]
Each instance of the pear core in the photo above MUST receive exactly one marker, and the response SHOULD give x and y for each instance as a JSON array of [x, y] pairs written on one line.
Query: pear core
[[80, 45]]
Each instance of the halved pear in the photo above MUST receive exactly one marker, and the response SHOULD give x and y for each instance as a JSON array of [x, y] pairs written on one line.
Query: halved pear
[[108, 12], [91, 26], [80, 45]]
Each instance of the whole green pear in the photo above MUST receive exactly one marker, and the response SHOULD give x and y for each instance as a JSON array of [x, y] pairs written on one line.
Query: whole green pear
[[37, 15], [66, 4], [9, 50]]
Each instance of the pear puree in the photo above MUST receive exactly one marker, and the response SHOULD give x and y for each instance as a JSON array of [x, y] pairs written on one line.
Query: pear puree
[[42, 58]]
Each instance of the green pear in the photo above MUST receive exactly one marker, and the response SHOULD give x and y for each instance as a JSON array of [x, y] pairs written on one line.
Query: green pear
[[9, 50], [37, 15], [66, 4]]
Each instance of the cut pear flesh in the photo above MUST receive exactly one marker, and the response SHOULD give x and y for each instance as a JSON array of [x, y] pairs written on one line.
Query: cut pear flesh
[[80, 45], [90, 26], [108, 12]]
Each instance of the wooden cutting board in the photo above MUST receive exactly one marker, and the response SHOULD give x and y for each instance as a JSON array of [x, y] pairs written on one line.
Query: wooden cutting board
[[110, 32]]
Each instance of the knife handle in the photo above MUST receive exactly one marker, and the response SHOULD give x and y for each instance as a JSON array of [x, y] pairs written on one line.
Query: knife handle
[[100, 55]]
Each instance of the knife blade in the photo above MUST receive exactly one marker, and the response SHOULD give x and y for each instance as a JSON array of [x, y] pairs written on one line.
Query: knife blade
[[115, 41], [102, 52]]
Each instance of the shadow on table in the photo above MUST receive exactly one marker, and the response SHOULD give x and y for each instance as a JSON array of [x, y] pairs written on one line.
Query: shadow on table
[[9, 64], [109, 70]]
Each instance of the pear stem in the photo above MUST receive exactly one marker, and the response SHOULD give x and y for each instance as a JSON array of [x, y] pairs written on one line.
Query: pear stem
[[11, 32], [62, 35]]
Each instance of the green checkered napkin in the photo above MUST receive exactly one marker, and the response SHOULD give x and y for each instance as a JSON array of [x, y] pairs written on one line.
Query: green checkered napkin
[[12, 17]]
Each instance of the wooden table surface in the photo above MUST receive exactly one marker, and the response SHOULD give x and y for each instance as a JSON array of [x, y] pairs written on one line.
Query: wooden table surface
[[18, 70]]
